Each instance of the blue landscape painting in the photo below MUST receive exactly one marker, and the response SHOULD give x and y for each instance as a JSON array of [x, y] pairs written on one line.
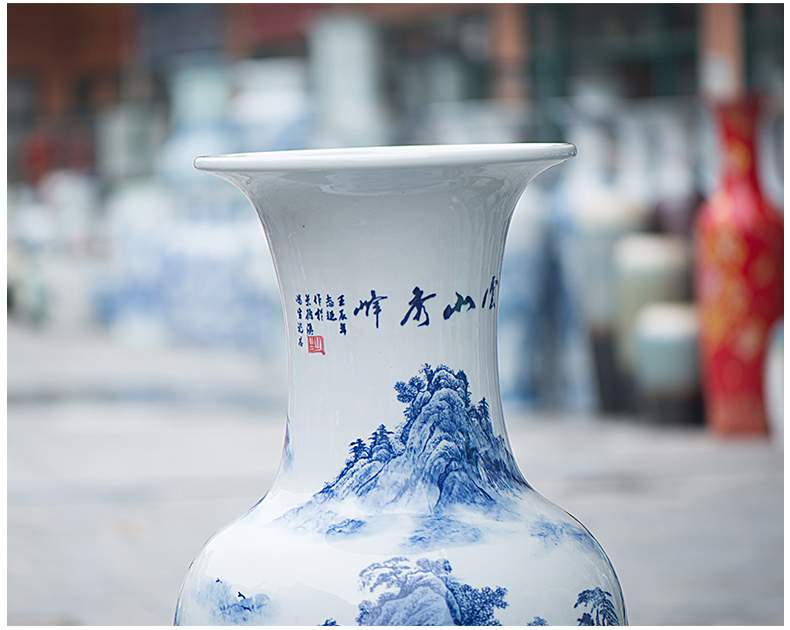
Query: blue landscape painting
[[443, 455], [231, 607], [424, 594], [601, 609]]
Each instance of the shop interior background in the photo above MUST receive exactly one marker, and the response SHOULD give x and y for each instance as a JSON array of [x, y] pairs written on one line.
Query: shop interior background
[[115, 242]]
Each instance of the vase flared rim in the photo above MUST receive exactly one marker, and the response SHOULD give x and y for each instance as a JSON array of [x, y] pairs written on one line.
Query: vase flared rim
[[388, 157]]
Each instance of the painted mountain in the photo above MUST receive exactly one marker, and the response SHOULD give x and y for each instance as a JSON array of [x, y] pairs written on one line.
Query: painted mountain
[[443, 456]]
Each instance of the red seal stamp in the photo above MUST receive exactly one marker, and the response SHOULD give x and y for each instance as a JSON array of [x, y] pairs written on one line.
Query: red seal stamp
[[315, 343]]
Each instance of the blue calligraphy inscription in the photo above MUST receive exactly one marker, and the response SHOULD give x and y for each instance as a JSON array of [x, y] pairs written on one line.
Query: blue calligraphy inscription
[[341, 302], [459, 303], [417, 304], [313, 309], [424, 594], [372, 302], [443, 456], [299, 325], [489, 294], [318, 308]]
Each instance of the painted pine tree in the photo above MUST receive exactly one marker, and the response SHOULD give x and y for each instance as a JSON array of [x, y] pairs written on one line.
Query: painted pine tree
[[601, 613]]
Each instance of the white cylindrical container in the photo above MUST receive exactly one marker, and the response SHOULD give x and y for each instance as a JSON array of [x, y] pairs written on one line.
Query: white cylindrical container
[[666, 362], [647, 268]]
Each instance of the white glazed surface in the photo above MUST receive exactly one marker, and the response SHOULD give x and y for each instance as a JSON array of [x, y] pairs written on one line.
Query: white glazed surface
[[398, 501]]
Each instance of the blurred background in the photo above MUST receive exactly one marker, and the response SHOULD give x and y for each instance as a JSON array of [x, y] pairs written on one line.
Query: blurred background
[[146, 349]]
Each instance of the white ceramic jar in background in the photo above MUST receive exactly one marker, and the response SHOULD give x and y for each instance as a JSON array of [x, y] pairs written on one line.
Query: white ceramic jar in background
[[648, 268], [666, 372], [774, 382]]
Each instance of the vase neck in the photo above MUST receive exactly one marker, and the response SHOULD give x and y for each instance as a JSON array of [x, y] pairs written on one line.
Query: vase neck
[[381, 293], [389, 274], [737, 128]]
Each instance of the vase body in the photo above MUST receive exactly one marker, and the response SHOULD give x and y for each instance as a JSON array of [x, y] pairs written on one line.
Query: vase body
[[398, 500], [739, 279]]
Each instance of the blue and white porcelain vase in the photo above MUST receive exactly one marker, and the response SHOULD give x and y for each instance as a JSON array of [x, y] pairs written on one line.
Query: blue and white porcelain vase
[[398, 500]]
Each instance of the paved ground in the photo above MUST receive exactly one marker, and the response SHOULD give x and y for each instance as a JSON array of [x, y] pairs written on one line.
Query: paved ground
[[122, 461]]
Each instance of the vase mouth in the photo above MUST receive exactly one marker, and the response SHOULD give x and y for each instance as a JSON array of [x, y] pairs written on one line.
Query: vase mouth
[[388, 157]]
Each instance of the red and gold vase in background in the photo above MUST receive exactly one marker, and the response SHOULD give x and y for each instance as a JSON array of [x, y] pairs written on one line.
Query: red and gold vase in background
[[739, 247]]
